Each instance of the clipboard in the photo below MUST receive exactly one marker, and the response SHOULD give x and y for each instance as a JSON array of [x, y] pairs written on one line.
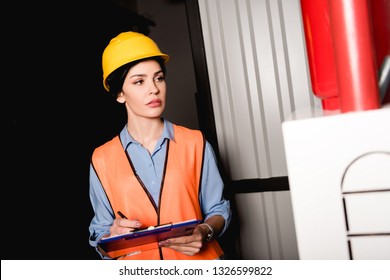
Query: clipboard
[[148, 235]]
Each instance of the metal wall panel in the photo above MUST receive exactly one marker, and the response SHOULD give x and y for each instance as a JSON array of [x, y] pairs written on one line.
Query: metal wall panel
[[256, 59], [266, 226]]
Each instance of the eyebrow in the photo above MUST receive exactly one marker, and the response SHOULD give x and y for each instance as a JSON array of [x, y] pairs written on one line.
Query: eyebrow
[[143, 75]]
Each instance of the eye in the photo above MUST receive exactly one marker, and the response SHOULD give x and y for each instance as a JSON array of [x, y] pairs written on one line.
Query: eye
[[160, 79], [139, 82]]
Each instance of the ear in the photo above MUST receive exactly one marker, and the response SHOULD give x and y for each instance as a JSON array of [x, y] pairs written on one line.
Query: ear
[[121, 97]]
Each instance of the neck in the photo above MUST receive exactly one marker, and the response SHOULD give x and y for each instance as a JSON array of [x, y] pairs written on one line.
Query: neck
[[146, 132]]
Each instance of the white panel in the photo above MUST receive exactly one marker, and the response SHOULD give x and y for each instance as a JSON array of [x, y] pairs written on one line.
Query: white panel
[[368, 213], [318, 151], [371, 248], [258, 75], [361, 177]]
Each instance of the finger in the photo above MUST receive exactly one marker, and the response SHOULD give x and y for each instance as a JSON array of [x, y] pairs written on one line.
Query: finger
[[187, 250], [128, 223], [181, 246], [185, 239]]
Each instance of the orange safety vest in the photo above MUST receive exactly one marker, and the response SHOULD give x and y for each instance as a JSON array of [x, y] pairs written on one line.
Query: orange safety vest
[[179, 194]]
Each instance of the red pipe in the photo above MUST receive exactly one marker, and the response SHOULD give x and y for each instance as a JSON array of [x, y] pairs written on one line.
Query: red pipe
[[319, 46], [354, 51]]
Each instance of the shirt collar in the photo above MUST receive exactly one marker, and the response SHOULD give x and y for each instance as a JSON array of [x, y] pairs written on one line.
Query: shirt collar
[[127, 139]]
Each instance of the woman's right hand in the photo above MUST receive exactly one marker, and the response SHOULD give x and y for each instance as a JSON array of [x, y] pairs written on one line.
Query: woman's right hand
[[122, 225]]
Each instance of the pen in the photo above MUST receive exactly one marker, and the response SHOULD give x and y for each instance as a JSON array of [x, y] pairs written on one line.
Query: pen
[[121, 214]]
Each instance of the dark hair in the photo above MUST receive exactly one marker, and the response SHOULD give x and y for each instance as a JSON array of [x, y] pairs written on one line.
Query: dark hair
[[116, 79]]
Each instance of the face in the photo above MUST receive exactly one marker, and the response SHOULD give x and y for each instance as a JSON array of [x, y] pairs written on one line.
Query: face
[[144, 90]]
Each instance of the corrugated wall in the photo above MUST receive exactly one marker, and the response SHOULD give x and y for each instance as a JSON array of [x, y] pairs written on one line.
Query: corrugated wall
[[256, 58]]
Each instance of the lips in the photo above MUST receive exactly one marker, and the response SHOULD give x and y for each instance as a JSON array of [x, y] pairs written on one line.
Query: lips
[[154, 103]]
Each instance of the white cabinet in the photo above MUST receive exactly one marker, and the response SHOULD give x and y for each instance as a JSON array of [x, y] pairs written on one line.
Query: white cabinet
[[339, 175]]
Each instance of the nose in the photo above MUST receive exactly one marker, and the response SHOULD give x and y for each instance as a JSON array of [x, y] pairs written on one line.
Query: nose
[[153, 88]]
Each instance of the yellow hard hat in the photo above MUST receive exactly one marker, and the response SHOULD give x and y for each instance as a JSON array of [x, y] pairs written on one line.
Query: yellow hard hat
[[128, 47]]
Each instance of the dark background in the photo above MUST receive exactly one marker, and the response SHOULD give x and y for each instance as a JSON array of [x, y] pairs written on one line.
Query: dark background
[[54, 112]]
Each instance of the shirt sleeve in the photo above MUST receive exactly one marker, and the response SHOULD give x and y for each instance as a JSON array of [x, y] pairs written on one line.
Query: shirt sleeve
[[103, 214], [212, 186]]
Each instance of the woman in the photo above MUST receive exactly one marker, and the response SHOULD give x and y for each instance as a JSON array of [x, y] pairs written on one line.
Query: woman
[[154, 172]]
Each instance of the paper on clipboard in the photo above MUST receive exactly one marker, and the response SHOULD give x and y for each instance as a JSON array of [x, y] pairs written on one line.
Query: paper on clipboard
[[148, 235]]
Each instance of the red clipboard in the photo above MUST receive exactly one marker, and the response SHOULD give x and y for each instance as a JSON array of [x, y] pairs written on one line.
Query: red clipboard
[[148, 235]]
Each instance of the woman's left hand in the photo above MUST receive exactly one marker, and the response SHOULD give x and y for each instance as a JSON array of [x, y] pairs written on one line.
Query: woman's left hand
[[188, 245]]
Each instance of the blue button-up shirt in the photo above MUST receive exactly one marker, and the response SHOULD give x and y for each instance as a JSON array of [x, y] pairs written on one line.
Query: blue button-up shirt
[[150, 168]]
